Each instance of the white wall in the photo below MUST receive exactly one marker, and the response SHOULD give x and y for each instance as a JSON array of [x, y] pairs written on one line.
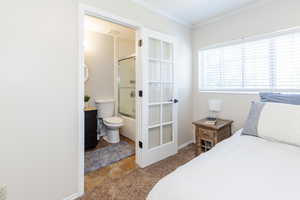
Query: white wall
[[126, 47], [264, 18], [99, 58], [39, 92], [38, 106]]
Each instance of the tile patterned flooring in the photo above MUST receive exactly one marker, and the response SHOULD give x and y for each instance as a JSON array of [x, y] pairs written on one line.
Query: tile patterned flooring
[[124, 180]]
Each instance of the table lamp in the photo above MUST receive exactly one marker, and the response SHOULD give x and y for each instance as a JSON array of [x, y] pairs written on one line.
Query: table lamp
[[214, 106]]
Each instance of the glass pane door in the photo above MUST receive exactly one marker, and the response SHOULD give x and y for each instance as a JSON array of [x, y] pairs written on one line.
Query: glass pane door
[[161, 93], [157, 108]]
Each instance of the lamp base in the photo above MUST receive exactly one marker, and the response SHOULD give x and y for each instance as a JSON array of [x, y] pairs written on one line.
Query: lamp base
[[212, 115], [211, 118]]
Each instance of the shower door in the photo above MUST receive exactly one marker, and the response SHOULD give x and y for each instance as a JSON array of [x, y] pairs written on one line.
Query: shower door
[[158, 135], [127, 87]]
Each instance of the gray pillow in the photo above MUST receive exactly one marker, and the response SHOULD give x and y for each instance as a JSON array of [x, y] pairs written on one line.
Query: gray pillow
[[280, 98], [250, 127]]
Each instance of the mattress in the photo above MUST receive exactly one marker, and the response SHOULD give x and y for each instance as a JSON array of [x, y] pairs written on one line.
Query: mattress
[[239, 168]]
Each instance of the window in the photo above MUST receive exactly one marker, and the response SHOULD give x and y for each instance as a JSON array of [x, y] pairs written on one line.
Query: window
[[271, 63]]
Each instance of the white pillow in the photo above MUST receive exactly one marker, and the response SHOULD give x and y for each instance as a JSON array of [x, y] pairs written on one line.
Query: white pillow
[[280, 122]]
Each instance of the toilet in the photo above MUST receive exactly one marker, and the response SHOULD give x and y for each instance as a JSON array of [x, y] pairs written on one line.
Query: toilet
[[106, 110]]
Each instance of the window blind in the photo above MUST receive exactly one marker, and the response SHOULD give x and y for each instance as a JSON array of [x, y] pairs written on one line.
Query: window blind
[[271, 63]]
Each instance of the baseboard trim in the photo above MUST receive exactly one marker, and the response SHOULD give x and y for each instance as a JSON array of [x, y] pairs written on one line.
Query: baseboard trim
[[73, 196], [185, 144]]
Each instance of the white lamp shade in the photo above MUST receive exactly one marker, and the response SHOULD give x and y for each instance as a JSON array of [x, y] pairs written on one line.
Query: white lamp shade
[[215, 105]]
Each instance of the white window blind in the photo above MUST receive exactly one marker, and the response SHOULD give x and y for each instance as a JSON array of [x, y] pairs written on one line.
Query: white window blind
[[271, 63]]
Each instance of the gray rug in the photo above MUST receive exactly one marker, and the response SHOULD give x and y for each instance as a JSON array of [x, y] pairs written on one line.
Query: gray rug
[[99, 158]]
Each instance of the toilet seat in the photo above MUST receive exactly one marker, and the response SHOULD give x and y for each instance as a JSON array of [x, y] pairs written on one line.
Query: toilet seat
[[113, 121]]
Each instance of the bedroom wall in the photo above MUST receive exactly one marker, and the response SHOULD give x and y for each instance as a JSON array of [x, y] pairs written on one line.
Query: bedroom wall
[[263, 18], [38, 106], [39, 92]]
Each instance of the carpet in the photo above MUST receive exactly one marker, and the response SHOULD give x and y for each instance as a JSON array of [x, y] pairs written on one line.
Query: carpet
[[136, 183], [106, 156]]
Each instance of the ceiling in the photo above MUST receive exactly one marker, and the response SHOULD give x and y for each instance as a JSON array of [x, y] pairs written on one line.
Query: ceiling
[[105, 27], [195, 12]]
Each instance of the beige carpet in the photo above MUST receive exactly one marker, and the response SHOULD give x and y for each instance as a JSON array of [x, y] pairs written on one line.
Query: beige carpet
[[125, 181]]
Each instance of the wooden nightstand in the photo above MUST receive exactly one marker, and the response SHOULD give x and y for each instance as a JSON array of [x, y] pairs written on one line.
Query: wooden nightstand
[[207, 136]]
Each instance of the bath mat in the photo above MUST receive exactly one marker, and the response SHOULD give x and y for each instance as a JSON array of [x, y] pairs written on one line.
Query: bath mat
[[105, 156]]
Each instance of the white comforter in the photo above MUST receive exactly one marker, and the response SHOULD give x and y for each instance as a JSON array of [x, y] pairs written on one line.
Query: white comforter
[[239, 168]]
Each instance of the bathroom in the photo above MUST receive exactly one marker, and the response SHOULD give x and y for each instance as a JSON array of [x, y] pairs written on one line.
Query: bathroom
[[109, 57]]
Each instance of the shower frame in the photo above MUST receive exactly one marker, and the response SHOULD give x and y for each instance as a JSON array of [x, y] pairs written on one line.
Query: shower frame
[[119, 95]]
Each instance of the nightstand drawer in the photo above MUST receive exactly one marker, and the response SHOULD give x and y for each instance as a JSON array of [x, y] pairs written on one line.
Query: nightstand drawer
[[206, 134]]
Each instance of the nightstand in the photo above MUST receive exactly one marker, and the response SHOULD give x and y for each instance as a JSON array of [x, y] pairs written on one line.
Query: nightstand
[[207, 136]]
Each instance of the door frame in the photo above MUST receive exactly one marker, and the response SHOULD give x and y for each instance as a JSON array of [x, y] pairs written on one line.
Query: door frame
[[95, 12]]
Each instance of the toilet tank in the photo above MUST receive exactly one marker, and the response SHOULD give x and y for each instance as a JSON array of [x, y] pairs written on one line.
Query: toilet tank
[[105, 107]]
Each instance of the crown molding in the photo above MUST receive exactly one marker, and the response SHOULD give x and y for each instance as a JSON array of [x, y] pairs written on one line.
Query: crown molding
[[204, 22], [228, 14], [163, 13]]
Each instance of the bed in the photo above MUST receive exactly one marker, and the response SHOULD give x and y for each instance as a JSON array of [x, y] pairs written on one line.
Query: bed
[[239, 168]]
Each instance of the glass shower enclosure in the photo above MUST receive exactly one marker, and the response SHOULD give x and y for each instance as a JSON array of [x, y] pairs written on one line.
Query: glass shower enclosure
[[127, 87]]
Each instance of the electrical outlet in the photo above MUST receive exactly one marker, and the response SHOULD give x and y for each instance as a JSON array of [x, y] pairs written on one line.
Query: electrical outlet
[[3, 192]]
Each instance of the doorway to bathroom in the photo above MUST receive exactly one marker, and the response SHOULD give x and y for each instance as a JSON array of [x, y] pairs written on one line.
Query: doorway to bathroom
[[109, 93]]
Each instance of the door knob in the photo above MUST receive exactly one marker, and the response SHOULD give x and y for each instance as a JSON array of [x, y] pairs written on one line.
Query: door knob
[[174, 100]]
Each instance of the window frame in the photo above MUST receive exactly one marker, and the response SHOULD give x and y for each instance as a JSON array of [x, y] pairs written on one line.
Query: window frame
[[237, 42]]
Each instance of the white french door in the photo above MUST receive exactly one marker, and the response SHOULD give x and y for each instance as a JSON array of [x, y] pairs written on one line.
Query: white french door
[[158, 130]]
